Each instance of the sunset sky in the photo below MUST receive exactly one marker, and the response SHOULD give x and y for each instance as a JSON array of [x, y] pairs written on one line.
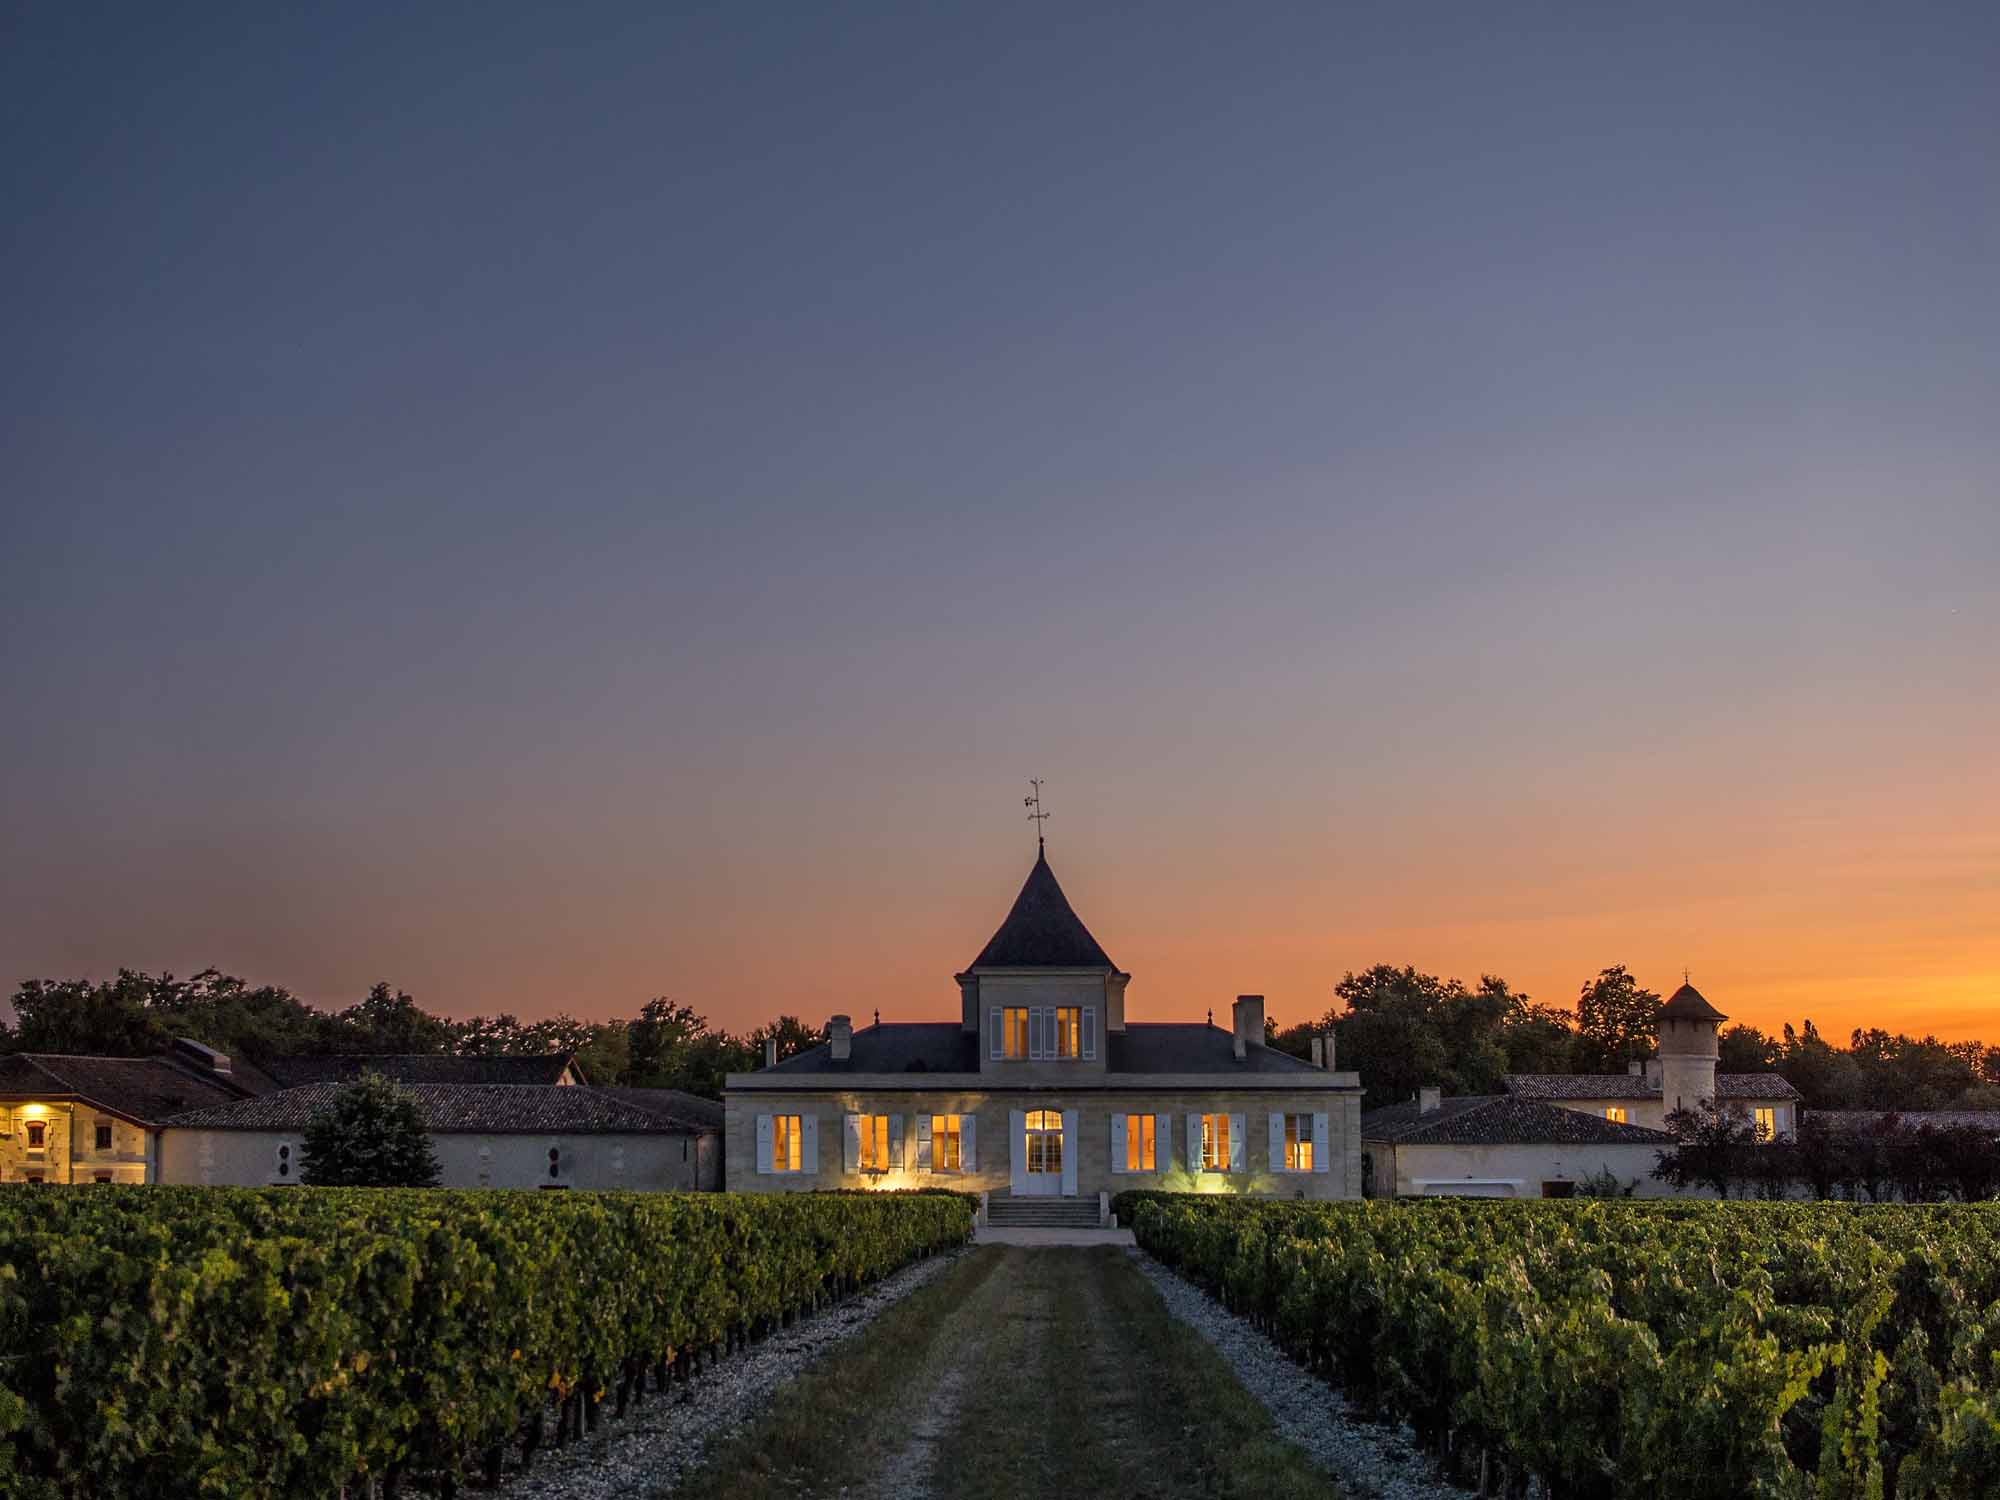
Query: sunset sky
[[552, 506]]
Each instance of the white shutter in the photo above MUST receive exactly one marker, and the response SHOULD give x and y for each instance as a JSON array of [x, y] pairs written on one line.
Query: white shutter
[[1017, 1127], [1089, 1032], [923, 1143], [1238, 1148], [1071, 1141], [809, 1143], [1163, 1143], [1118, 1143], [968, 1142], [1035, 1031], [998, 1041], [764, 1144], [1277, 1143], [1194, 1143], [896, 1158], [1322, 1157], [850, 1148]]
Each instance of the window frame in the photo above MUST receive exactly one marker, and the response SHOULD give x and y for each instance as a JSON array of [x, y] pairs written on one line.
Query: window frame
[[1764, 1120], [1215, 1143], [787, 1130], [873, 1156], [103, 1136], [1298, 1143], [1617, 1114], [954, 1133], [38, 1134], [1142, 1146]]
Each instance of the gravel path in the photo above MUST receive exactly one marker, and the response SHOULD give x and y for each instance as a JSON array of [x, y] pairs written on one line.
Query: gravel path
[[1372, 1461], [666, 1436]]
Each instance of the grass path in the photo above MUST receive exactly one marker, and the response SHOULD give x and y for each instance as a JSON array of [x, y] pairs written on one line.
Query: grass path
[[1021, 1371]]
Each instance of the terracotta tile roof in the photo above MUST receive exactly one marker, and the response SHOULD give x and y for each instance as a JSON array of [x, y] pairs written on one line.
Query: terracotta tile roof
[[1634, 1086], [1042, 931], [1912, 1119], [451, 1108], [511, 1067], [1500, 1120], [690, 1111], [145, 1089]]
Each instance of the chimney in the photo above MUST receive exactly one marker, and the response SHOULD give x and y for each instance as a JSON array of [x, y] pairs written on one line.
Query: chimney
[[1653, 1071], [1428, 1100], [1319, 1052], [840, 1034], [1248, 1017], [1329, 1052], [770, 1052]]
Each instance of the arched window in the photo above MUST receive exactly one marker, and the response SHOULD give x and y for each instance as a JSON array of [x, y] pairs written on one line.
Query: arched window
[[1044, 1119]]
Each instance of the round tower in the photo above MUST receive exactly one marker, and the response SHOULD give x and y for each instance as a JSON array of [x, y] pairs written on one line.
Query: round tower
[[1689, 1046]]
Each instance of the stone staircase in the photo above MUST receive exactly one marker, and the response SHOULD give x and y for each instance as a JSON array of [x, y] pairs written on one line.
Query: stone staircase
[[1003, 1211]]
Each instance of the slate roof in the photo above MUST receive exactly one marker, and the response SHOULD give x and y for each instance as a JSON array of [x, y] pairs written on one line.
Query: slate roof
[[1500, 1120], [1143, 1047], [894, 1047], [451, 1108], [684, 1110], [1634, 1086], [1689, 1004], [1942, 1119], [1191, 1047], [511, 1067], [1042, 931], [146, 1089]]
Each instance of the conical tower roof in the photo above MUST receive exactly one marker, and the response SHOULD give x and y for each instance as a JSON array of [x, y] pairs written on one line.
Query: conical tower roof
[[1689, 1004], [1042, 931]]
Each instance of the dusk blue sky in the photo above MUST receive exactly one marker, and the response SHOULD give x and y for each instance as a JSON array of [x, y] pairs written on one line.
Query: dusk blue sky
[[556, 505]]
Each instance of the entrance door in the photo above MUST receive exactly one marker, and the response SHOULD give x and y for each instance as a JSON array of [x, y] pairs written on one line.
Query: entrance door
[[1045, 1153]]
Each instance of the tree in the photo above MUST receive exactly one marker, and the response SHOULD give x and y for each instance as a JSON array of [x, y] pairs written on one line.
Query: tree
[[371, 1134], [1745, 1049], [1618, 1019], [108, 1019], [389, 1021], [1712, 1149]]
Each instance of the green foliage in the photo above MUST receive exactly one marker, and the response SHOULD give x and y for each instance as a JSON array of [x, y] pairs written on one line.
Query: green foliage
[[306, 1341], [1617, 1019], [371, 1135], [1665, 1350]]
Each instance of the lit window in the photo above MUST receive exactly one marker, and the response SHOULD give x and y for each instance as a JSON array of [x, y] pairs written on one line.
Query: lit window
[[874, 1142], [1215, 1143], [1069, 1027], [1767, 1124], [1139, 1144], [944, 1143], [1045, 1140], [38, 1134], [1615, 1113], [784, 1143], [1014, 1027], [1298, 1143]]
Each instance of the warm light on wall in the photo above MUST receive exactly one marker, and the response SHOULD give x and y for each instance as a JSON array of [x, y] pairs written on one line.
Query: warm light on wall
[[32, 1110]]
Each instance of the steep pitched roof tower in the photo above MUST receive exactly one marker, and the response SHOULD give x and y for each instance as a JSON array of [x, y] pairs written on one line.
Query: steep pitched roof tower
[[1042, 952]]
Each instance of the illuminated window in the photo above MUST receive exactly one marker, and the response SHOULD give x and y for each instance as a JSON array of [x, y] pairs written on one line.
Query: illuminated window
[[1068, 1028], [1045, 1140], [945, 1143], [874, 1143], [1767, 1124], [1014, 1027], [103, 1136], [1615, 1113], [1298, 1143], [1215, 1143], [38, 1134], [784, 1143], [1140, 1144]]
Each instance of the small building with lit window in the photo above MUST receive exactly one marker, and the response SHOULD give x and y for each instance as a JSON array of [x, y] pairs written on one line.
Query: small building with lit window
[[67, 1120], [1499, 1146], [1042, 1088], [1681, 1076]]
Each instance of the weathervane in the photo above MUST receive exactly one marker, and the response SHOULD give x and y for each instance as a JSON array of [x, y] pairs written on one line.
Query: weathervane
[[1033, 802]]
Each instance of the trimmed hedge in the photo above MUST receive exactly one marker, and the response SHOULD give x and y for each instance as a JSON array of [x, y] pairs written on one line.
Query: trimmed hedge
[[1667, 1350], [224, 1341]]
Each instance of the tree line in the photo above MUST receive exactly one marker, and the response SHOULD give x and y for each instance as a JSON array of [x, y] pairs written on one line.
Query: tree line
[[1401, 1028], [1404, 1030], [1890, 1159], [665, 1045]]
